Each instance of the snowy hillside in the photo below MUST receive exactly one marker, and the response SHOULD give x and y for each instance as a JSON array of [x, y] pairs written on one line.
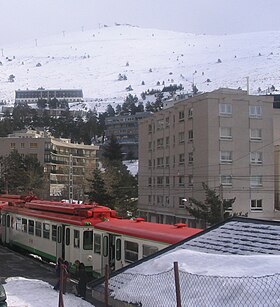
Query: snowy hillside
[[93, 60]]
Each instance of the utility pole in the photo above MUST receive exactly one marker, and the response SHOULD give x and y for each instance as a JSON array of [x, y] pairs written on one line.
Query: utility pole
[[70, 179], [222, 202]]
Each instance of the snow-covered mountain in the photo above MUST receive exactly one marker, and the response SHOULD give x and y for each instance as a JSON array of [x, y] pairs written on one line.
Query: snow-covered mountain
[[93, 60]]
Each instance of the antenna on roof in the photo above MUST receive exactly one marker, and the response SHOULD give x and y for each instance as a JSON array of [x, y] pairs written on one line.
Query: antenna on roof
[[248, 87]]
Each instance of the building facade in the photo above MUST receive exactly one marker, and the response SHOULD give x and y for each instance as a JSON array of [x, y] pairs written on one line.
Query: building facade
[[66, 165], [32, 96], [224, 139], [125, 129]]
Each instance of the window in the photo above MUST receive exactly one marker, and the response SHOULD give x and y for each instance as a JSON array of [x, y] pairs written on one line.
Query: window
[[76, 238], [97, 243], [226, 156], [160, 124], [256, 134], [256, 181], [256, 205], [226, 180], [160, 143], [181, 181], [150, 145], [166, 161], [67, 236], [160, 162], [181, 115], [190, 113], [33, 145], [118, 249], [150, 128], [22, 145], [149, 250], [167, 200], [255, 111], [167, 141], [190, 135], [38, 229], [225, 109], [225, 133], [182, 201], [31, 227], [190, 180], [46, 230], [150, 163], [105, 246], [166, 121], [256, 157], [181, 158], [181, 137], [191, 158], [150, 181], [54, 232], [167, 181], [130, 251], [160, 200], [160, 181], [88, 240], [18, 223], [24, 225], [13, 145]]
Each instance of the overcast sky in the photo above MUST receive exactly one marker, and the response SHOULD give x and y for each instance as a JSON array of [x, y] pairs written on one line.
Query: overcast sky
[[30, 19]]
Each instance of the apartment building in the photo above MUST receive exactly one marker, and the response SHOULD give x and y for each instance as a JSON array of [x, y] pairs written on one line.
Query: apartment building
[[125, 129], [66, 165], [223, 138]]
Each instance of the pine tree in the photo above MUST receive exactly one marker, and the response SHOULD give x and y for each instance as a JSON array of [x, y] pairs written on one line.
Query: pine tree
[[98, 191], [112, 150], [212, 210]]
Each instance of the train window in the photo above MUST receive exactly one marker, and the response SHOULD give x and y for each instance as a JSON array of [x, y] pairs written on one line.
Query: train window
[[46, 230], [67, 236], [118, 249], [130, 251], [88, 240], [4, 221], [18, 223], [0, 219], [31, 227], [54, 232], [105, 246], [8, 220], [97, 243], [149, 250], [76, 238], [38, 229], [24, 225]]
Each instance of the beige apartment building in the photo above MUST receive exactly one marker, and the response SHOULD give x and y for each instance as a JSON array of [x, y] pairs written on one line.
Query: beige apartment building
[[223, 138], [66, 165]]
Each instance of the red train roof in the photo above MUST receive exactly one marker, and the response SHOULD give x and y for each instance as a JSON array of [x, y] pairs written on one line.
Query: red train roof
[[151, 231]]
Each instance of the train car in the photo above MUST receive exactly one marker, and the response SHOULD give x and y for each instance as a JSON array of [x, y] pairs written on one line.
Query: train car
[[90, 233]]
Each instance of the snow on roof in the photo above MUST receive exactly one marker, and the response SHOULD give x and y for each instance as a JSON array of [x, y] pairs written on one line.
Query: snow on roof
[[240, 252]]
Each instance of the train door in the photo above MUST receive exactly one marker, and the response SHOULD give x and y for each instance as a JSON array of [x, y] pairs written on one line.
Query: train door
[[60, 242], [3, 226], [118, 254], [105, 251], [8, 225], [66, 246]]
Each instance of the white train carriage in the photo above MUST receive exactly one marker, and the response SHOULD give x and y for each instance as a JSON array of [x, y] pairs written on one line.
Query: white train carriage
[[89, 233]]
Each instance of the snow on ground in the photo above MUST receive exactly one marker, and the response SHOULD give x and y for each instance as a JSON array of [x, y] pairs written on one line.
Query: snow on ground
[[36, 293], [132, 166], [92, 60]]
